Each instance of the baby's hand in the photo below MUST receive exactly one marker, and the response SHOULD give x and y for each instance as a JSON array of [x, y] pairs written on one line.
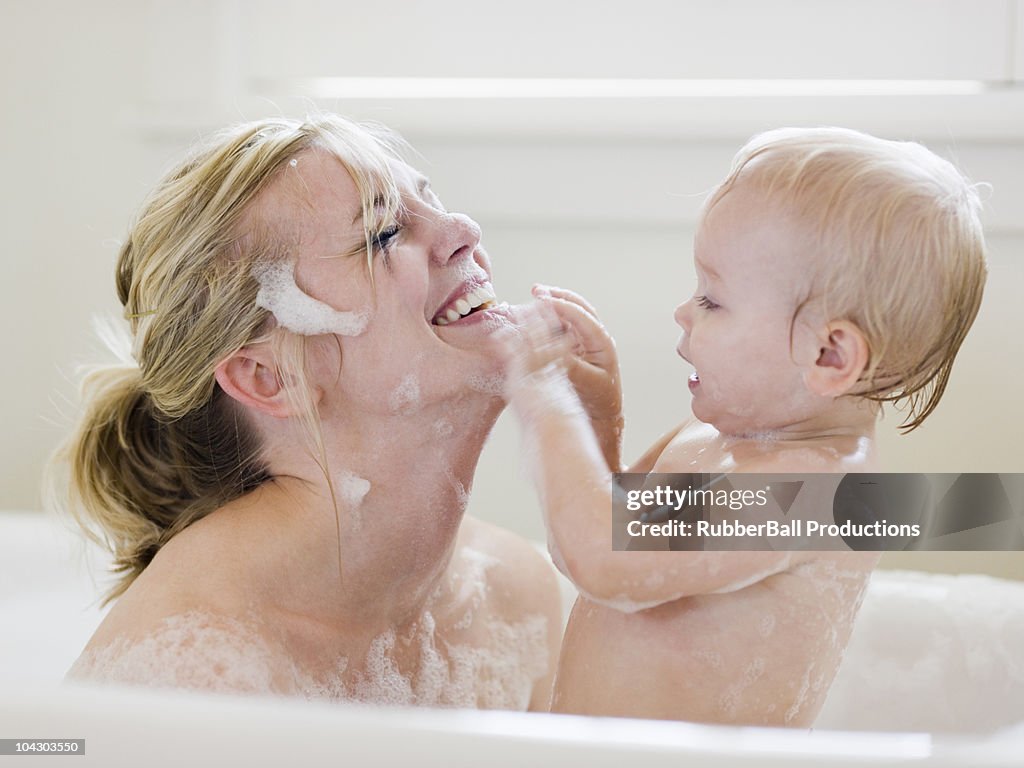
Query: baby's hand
[[536, 356], [592, 366]]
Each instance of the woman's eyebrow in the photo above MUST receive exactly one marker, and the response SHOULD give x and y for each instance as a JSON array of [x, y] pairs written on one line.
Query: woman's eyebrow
[[378, 202], [422, 184]]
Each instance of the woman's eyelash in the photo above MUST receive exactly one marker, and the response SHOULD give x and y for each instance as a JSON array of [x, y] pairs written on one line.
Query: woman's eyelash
[[382, 240], [706, 303]]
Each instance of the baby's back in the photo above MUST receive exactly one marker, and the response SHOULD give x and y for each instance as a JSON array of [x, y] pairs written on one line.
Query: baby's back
[[765, 654]]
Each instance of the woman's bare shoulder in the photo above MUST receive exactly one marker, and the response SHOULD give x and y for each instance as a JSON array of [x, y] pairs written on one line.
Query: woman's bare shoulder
[[523, 600], [195, 649], [181, 622], [520, 575]]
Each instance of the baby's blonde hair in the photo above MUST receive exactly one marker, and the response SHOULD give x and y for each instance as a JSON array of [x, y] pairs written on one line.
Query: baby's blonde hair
[[901, 252], [159, 444]]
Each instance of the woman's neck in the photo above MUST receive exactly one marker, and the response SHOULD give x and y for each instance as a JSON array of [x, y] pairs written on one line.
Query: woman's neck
[[377, 512]]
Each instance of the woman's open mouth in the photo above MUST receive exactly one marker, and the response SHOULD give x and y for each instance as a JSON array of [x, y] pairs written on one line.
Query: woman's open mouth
[[475, 299]]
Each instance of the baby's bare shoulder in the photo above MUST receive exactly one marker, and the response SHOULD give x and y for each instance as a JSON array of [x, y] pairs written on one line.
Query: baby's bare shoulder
[[692, 447]]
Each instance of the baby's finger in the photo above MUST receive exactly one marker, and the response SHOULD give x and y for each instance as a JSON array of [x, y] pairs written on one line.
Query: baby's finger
[[598, 345], [544, 336], [566, 295]]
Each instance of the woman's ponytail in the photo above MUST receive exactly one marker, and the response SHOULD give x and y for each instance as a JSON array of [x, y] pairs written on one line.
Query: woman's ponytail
[[160, 444], [138, 477]]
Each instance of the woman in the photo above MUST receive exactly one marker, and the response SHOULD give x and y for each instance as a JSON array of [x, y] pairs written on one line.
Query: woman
[[282, 470]]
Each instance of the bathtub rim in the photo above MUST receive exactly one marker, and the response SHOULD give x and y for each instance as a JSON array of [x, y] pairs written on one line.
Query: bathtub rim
[[223, 728]]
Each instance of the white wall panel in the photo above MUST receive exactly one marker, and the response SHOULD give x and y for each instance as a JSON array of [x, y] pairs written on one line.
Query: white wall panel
[[644, 38], [996, 113], [208, 63], [637, 183], [1017, 32]]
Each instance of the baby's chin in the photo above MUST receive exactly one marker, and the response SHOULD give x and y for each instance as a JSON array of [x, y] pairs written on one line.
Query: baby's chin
[[737, 425]]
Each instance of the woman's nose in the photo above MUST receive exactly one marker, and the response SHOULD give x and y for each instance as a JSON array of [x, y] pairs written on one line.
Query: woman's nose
[[458, 235]]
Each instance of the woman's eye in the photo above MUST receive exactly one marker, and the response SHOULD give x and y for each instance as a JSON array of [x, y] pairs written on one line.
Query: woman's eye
[[383, 239], [705, 303]]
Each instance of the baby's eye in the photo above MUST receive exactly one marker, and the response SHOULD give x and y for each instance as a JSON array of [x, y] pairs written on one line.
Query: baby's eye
[[705, 303]]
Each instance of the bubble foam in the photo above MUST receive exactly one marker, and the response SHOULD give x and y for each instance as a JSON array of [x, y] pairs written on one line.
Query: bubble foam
[[352, 489], [444, 674], [406, 396], [493, 384], [198, 651], [299, 312], [191, 650]]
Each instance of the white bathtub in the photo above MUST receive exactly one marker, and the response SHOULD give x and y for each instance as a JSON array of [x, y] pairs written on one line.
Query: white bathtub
[[936, 661]]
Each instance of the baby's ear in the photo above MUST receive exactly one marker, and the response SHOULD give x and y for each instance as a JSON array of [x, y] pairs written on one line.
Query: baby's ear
[[841, 358], [250, 377]]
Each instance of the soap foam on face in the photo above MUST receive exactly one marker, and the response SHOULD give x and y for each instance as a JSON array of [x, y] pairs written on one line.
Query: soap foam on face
[[406, 396], [299, 312]]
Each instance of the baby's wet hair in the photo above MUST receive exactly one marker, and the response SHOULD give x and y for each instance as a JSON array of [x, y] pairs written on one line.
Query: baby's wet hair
[[898, 244]]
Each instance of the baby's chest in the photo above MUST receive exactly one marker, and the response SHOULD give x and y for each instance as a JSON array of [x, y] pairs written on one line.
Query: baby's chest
[[705, 634]]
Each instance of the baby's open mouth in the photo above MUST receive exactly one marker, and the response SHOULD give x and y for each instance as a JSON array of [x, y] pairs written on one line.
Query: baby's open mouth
[[473, 300]]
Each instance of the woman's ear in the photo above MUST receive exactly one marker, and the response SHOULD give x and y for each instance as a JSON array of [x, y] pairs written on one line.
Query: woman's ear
[[842, 356], [250, 377]]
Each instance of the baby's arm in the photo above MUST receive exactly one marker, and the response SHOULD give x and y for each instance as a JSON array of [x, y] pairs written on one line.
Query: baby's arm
[[593, 367], [575, 487]]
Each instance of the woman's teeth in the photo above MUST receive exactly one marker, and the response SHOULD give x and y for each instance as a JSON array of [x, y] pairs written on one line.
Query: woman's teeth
[[481, 296]]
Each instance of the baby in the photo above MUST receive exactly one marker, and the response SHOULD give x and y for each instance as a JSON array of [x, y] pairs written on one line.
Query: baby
[[835, 272]]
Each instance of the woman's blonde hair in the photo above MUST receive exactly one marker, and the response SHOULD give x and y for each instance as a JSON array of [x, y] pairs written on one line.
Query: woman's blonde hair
[[159, 444], [900, 248]]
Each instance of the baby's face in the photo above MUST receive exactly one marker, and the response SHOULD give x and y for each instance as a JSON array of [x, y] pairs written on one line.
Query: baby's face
[[753, 270]]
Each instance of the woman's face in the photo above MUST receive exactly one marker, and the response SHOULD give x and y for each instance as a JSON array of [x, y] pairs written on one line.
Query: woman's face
[[431, 306]]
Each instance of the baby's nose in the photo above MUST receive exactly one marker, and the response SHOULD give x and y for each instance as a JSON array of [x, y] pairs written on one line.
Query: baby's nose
[[682, 315]]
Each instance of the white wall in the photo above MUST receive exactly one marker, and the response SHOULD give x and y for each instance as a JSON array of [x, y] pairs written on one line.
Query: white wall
[[598, 194]]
